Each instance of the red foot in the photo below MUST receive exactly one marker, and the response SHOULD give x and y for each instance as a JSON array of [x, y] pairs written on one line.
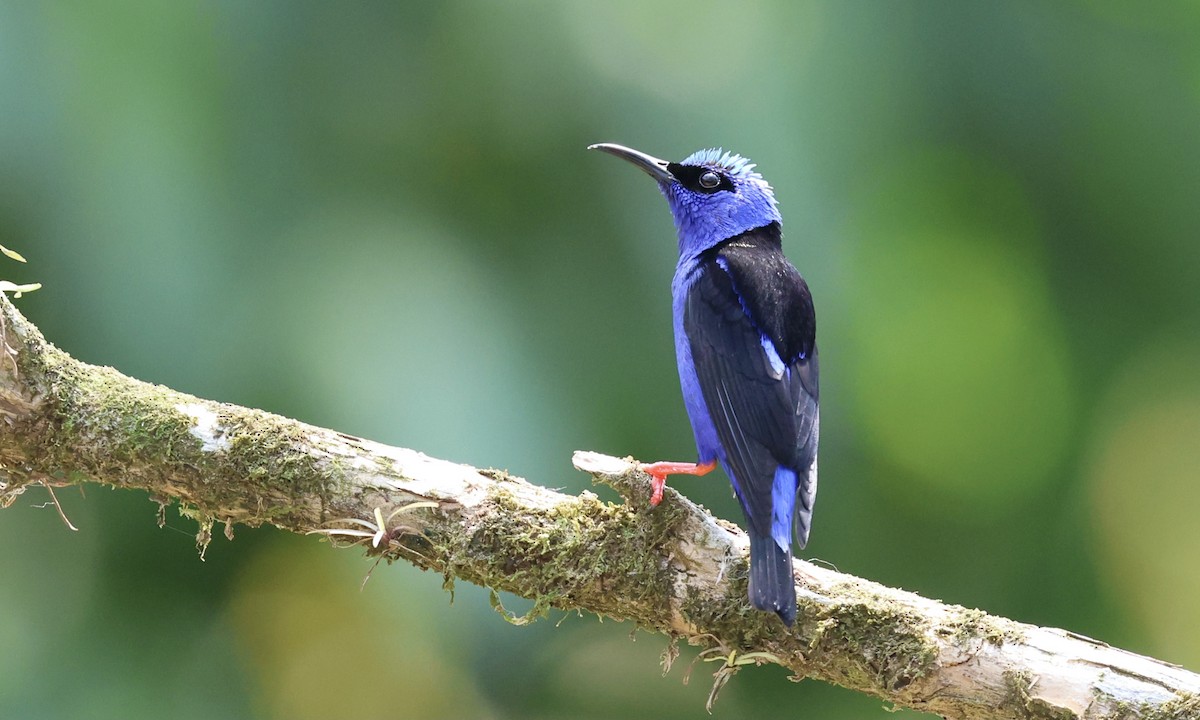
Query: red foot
[[659, 471]]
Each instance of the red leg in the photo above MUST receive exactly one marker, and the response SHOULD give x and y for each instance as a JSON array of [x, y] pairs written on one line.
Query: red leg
[[659, 471]]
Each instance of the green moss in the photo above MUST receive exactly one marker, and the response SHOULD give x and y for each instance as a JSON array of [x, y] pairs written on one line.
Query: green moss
[[1184, 706], [582, 553], [973, 626], [272, 471], [496, 474], [112, 429], [869, 645], [111, 424], [731, 617]]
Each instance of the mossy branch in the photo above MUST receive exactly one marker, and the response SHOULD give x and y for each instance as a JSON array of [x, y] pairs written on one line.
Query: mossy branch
[[675, 569]]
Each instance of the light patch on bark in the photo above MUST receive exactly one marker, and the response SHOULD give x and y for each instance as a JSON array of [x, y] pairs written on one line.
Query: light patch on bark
[[207, 428]]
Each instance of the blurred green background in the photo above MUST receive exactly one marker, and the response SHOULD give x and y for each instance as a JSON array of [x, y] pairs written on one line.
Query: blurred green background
[[380, 217]]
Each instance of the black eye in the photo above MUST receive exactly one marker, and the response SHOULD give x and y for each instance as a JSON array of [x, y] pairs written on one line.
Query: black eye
[[710, 180]]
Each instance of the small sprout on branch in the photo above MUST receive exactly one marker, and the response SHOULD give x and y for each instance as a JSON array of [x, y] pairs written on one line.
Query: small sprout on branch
[[732, 662], [377, 532], [18, 290], [12, 254]]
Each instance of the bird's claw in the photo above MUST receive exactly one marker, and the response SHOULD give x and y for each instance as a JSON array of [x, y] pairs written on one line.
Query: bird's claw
[[658, 472], [658, 483]]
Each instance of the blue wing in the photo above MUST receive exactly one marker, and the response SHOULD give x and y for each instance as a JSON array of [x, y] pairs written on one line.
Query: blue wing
[[751, 328]]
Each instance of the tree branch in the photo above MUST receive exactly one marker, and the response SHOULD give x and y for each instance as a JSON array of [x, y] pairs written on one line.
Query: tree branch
[[675, 569]]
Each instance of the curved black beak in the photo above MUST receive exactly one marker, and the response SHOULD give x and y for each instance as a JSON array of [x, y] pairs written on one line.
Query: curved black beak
[[649, 164]]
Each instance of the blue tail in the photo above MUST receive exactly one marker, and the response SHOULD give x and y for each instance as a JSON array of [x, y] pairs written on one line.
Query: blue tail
[[771, 585]]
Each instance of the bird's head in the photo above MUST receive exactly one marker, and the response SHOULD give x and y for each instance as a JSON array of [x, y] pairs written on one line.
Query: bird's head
[[713, 195]]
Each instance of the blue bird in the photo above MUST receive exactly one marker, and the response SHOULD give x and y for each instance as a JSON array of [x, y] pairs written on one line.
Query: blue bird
[[745, 341]]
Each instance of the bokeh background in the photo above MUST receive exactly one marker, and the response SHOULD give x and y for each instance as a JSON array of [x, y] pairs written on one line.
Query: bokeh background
[[380, 217]]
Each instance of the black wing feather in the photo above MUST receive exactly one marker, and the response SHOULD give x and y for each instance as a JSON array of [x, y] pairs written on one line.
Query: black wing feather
[[764, 417]]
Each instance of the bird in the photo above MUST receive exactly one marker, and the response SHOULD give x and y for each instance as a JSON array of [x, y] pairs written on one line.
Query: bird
[[745, 342]]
